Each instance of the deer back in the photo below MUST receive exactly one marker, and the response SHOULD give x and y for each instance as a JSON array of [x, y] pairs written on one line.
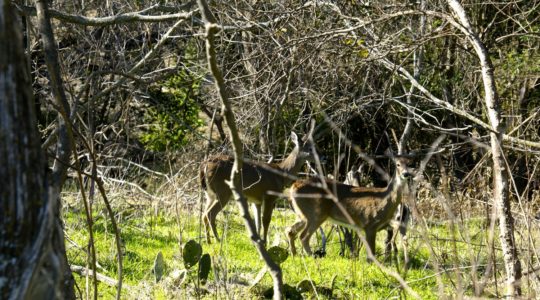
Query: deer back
[[258, 179], [368, 207]]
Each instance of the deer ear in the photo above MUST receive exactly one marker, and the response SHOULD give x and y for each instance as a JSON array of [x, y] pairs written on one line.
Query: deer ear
[[389, 153], [294, 138]]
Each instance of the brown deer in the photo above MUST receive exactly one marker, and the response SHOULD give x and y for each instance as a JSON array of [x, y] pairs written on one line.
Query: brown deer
[[261, 182], [397, 225], [371, 209]]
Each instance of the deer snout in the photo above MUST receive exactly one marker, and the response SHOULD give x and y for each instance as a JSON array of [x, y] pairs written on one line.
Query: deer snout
[[406, 174]]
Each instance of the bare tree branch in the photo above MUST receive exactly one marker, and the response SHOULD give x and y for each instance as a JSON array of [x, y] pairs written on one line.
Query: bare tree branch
[[235, 182], [448, 106], [124, 18]]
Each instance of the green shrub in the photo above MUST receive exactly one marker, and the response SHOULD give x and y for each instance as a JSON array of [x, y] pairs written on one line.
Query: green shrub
[[174, 113]]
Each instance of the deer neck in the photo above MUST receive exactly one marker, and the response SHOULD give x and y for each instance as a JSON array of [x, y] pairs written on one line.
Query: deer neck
[[395, 189], [292, 163]]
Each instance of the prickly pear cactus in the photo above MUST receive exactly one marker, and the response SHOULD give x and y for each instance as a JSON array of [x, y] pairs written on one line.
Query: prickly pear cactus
[[278, 254], [178, 277], [159, 266], [191, 253], [205, 264], [288, 291], [306, 285]]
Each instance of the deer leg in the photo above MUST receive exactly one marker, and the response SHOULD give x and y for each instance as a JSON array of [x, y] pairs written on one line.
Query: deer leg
[[405, 216], [307, 232], [357, 243], [257, 216], [347, 242], [394, 245], [389, 243], [267, 209], [321, 252], [292, 232], [390, 248], [206, 223], [341, 231], [404, 243], [349, 239], [370, 238], [210, 219], [212, 212]]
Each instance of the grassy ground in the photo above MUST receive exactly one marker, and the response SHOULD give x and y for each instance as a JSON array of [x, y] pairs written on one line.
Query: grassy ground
[[442, 265]]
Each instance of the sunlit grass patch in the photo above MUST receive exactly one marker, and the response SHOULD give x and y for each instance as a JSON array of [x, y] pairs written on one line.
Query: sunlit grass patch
[[441, 259]]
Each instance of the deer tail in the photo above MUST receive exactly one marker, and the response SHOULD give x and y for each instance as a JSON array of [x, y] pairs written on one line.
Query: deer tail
[[202, 176]]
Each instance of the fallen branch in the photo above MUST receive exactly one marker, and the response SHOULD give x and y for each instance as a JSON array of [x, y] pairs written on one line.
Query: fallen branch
[[100, 277]]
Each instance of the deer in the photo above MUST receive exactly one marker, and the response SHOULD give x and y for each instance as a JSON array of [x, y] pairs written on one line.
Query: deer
[[262, 183], [397, 225], [370, 209]]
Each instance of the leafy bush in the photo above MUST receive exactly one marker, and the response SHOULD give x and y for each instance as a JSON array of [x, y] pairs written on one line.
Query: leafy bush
[[174, 113]]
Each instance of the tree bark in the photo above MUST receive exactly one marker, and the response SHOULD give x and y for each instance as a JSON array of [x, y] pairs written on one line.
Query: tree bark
[[235, 182], [64, 145], [32, 253], [500, 173]]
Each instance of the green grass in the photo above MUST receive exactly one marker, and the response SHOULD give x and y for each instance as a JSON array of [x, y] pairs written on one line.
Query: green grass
[[236, 262]]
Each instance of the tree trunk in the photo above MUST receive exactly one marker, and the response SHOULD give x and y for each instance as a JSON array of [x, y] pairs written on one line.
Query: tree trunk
[[500, 172], [33, 261]]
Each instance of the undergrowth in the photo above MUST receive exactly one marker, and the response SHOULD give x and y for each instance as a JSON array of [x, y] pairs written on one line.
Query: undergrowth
[[445, 257]]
